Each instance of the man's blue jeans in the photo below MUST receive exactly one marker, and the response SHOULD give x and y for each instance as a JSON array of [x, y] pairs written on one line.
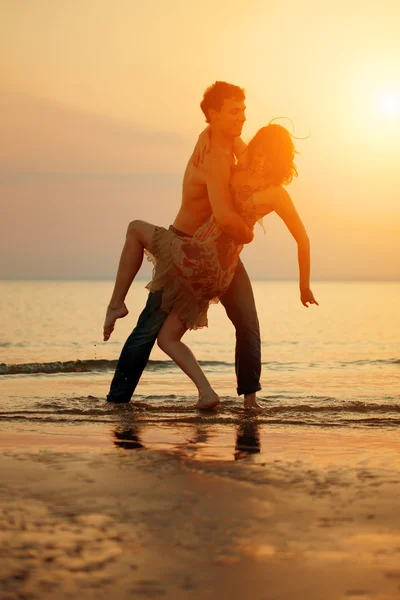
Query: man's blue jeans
[[238, 302]]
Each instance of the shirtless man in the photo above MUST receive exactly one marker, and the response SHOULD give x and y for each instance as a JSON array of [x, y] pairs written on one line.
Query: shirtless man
[[205, 190]]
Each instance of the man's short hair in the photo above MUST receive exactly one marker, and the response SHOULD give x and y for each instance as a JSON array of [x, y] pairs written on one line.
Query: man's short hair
[[217, 93]]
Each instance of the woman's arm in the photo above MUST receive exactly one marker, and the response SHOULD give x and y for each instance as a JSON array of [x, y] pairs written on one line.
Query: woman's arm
[[203, 146], [278, 199]]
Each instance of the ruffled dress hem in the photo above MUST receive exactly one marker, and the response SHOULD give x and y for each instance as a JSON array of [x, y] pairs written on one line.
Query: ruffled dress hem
[[167, 276]]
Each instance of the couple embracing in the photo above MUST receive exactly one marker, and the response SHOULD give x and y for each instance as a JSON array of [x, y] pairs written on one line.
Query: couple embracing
[[227, 187]]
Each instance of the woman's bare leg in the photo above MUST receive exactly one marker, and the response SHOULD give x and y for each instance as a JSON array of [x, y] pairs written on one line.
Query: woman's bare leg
[[138, 237], [169, 340]]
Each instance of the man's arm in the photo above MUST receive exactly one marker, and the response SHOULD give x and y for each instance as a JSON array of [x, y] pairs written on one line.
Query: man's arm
[[217, 175]]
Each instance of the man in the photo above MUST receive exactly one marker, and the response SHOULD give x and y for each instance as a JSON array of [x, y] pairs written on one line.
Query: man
[[205, 190]]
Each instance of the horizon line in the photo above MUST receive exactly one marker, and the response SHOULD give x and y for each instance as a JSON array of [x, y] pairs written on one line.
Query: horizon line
[[87, 279]]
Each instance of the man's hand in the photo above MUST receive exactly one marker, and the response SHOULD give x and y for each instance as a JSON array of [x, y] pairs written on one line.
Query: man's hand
[[202, 147], [307, 297]]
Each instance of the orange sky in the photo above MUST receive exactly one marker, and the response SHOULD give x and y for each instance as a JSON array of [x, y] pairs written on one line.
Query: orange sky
[[100, 110]]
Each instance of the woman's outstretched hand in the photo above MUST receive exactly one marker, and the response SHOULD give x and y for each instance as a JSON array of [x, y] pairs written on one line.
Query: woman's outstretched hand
[[307, 297], [202, 147]]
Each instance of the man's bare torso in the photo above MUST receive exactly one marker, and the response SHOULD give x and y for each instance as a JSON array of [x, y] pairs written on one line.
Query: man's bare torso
[[195, 208]]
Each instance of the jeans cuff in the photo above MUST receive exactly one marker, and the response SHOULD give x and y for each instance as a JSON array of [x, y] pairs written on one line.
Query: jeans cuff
[[121, 389], [251, 389]]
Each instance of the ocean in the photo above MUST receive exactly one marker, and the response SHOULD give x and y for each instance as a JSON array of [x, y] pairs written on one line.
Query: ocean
[[335, 366]]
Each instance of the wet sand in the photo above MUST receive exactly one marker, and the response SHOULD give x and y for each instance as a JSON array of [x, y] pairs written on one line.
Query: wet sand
[[83, 518]]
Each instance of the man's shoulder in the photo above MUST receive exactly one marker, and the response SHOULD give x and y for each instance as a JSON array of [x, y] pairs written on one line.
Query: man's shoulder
[[194, 175], [217, 159]]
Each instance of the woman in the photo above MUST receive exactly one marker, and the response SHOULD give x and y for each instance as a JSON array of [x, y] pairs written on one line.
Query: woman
[[196, 271]]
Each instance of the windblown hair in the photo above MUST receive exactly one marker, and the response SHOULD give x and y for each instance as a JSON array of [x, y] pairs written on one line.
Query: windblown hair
[[271, 153], [215, 95]]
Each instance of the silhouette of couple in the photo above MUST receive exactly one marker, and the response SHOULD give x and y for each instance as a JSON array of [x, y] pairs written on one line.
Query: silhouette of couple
[[227, 187], [248, 439]]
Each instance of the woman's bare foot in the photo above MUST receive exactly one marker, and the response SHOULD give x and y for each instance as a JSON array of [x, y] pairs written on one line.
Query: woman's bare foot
[[113, 313], [207, 401], [250, 402]]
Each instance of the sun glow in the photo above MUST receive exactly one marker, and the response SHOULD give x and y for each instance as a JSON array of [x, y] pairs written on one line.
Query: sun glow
[[389, 103]]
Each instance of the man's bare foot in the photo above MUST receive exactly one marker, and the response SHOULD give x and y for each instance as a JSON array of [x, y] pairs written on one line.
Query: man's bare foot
[[207, 401], [252, 406], [250, 402], [113, 313]]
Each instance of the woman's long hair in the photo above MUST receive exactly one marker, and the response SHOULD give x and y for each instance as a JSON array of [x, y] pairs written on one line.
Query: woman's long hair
[[271, 154]]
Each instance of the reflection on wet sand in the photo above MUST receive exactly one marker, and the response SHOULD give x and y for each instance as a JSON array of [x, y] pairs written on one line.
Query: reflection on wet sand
[[189, 441], [128, 438], [247, 439]]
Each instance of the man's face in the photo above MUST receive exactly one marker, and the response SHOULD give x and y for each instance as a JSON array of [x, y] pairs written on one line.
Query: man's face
[[230, 118]]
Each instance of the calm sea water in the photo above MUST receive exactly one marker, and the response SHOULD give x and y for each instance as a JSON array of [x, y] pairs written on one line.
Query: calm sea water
[[335, 365]]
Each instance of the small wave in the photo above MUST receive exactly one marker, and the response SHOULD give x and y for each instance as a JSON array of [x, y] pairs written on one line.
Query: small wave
[[373, 422], [169, 364], [368, 362], [70, 366], [167, 407], [85, 366], [193, 418], [352, 406]]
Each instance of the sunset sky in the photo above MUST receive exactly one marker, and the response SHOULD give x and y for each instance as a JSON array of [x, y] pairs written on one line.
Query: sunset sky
[[100, 112]]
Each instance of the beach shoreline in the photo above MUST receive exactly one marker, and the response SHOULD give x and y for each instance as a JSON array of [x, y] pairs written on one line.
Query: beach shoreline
[[156, 523], [154, 500]]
